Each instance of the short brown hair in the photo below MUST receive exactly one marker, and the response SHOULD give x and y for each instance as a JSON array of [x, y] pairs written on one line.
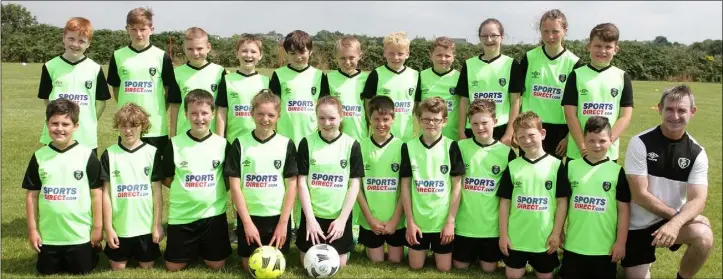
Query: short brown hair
[[199, 96], [443, 42], [597, 124], [298, 40], [488, 21], [433, 105], [266, 96], [81, 25], [140, 16], [134, 115], [382, 105], [250, 38], [607, 32], [62, 107], [527, 120], [195, 33], [347, 42], [482, 106]]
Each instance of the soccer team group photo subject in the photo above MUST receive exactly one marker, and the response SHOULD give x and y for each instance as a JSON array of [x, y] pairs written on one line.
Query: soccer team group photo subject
[[502, 163]]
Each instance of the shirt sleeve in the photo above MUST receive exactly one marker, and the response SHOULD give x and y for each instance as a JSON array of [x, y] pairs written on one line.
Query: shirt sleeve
[[113, 78], [370, 86], [626, 98], [93, 171], [622, 193], [157, 174], [699, 173], [462, 88], [169, 168], [168, 76], [232, 166], [105, 166], [31, 181], [302, 157], [221, 91], [275, 84], [291, 168], [405, 167], [515, 85], [578, 64], [101, 87], [174, 90], [357, 161], [505, 187], [46, 84], [324, 90], [455, 160], [511, 156], [418, 91], [635, 160], [562, 185], [569, 96], [522, 71]]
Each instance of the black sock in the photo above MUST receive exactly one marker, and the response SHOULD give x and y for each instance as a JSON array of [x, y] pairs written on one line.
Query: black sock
[[678, 275]]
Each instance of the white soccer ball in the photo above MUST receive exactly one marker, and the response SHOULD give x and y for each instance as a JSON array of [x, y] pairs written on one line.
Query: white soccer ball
[[24, 64], [322, 261]]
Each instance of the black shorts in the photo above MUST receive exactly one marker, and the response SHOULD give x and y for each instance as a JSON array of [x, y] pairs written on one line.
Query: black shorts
[[583, 266], [554, 133], [472, 249], [371, 240], [74, 259], [342, 245], [541, 262], [141, 248], [159, 142], [433, 241], [497, 132], [206, 237], [638, 249], [266, 225]]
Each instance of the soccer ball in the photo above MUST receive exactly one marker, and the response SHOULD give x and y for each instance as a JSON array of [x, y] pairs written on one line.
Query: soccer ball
[[322, 261], [267, 262]]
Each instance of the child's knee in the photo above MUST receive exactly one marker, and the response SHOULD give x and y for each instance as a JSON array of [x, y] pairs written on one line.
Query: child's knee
[[216, 265]]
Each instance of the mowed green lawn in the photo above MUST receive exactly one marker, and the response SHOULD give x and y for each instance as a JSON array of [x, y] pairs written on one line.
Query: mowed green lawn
[[23, 118]]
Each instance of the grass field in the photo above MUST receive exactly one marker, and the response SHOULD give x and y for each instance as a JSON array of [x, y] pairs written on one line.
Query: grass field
[[23, 118]]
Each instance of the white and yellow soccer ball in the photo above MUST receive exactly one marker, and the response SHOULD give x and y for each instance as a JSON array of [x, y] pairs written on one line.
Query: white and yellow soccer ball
[[267, 262], [322, 261]]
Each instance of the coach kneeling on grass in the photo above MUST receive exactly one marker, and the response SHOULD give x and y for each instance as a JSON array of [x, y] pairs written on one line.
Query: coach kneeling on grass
[[664, 165]]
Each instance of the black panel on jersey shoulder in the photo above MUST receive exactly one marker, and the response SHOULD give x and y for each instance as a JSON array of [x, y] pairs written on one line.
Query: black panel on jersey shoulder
[[404, 68], [298, 71], [383, 143], [64, 150], [245, 75], [260, 140], [332, 140], [482, 144], [73, 63], [421, 139], [564, 49], [131, 150], [442, 74], [595, 164], [141, 50], [600, 70], [350, 76], [188, 133], [535, 161], [491, 60], [198, 68]]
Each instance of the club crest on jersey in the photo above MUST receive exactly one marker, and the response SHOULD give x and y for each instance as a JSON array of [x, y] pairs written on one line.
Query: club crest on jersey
[[496, 169], [562, 77], [313, 90], [411, 91], [607, 185], [146, 170], [152, 71], [215, 163], [683, 163], [548, 185], [342, 163], [444, 169], [535, 74], [451, 90], [395, 167], [277, 164], [78, 175], [214, 87], [503, 81], [88, 84], [614, 92]]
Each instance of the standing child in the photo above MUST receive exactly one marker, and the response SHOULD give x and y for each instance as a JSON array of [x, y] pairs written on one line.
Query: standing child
[[330, 169], [440, 81], [63, 203], [261, 167], [433, 163], [197, 73], [485, 158], [493, 76], [544, 71], [76, 77], [599, 212], [193, 166], [132, 197], [379, 198], [533, 202], [598, 89], [396, 81]]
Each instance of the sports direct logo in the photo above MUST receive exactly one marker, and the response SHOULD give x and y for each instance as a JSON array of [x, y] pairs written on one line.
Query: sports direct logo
[[132, 86], [320, 180], [403, 106], [494, 96], [242, 110], [429, 186], [531, 203], [196, 181], [261, 181], [52, 193], [126, 191], [593, 108], [352, 111], [588, 203], [78, 98], [546, 92], [480, 185], [299, 106], [380, 184]]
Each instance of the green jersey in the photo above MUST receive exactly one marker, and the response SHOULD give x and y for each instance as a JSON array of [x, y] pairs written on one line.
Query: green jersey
[[348, 89], [328, 166], [130, 174], [207, 77], [400, 87], [478, 213], [492, 79], [240, 90], [433, 84], [298, 90], [592, 218], [431, 168], [82, 82], [545, 79], [64, 179], [532, 187], [198, 189], [381, 183]]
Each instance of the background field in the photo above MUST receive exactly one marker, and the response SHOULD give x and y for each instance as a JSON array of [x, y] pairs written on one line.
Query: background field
[[23, 117]]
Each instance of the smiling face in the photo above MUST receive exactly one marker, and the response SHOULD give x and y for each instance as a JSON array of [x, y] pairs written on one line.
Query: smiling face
[[328, 118], [130, 134], [199, 114], [396, 55], [602, 52], [381, 123], [442, 58], [61, 128], [298, 59], [597, 144], [265, 116], [432, 123], [483, 124], [676, 114], [491, 38], [197, 50], [249, 55], [348, 58], [75, 44], [530, 139]]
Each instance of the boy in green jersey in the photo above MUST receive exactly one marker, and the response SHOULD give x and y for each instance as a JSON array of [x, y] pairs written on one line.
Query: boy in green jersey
[[440, 81], [396, 81], [75, 77], [197, 73], [132, 197], [234, 118], [533, 202], [379, 196], [485, 159], [330, 169], [599, 212], [143, 74], [63, 202], [193, 167], [262, 170], [433, 163], [598, 89]]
